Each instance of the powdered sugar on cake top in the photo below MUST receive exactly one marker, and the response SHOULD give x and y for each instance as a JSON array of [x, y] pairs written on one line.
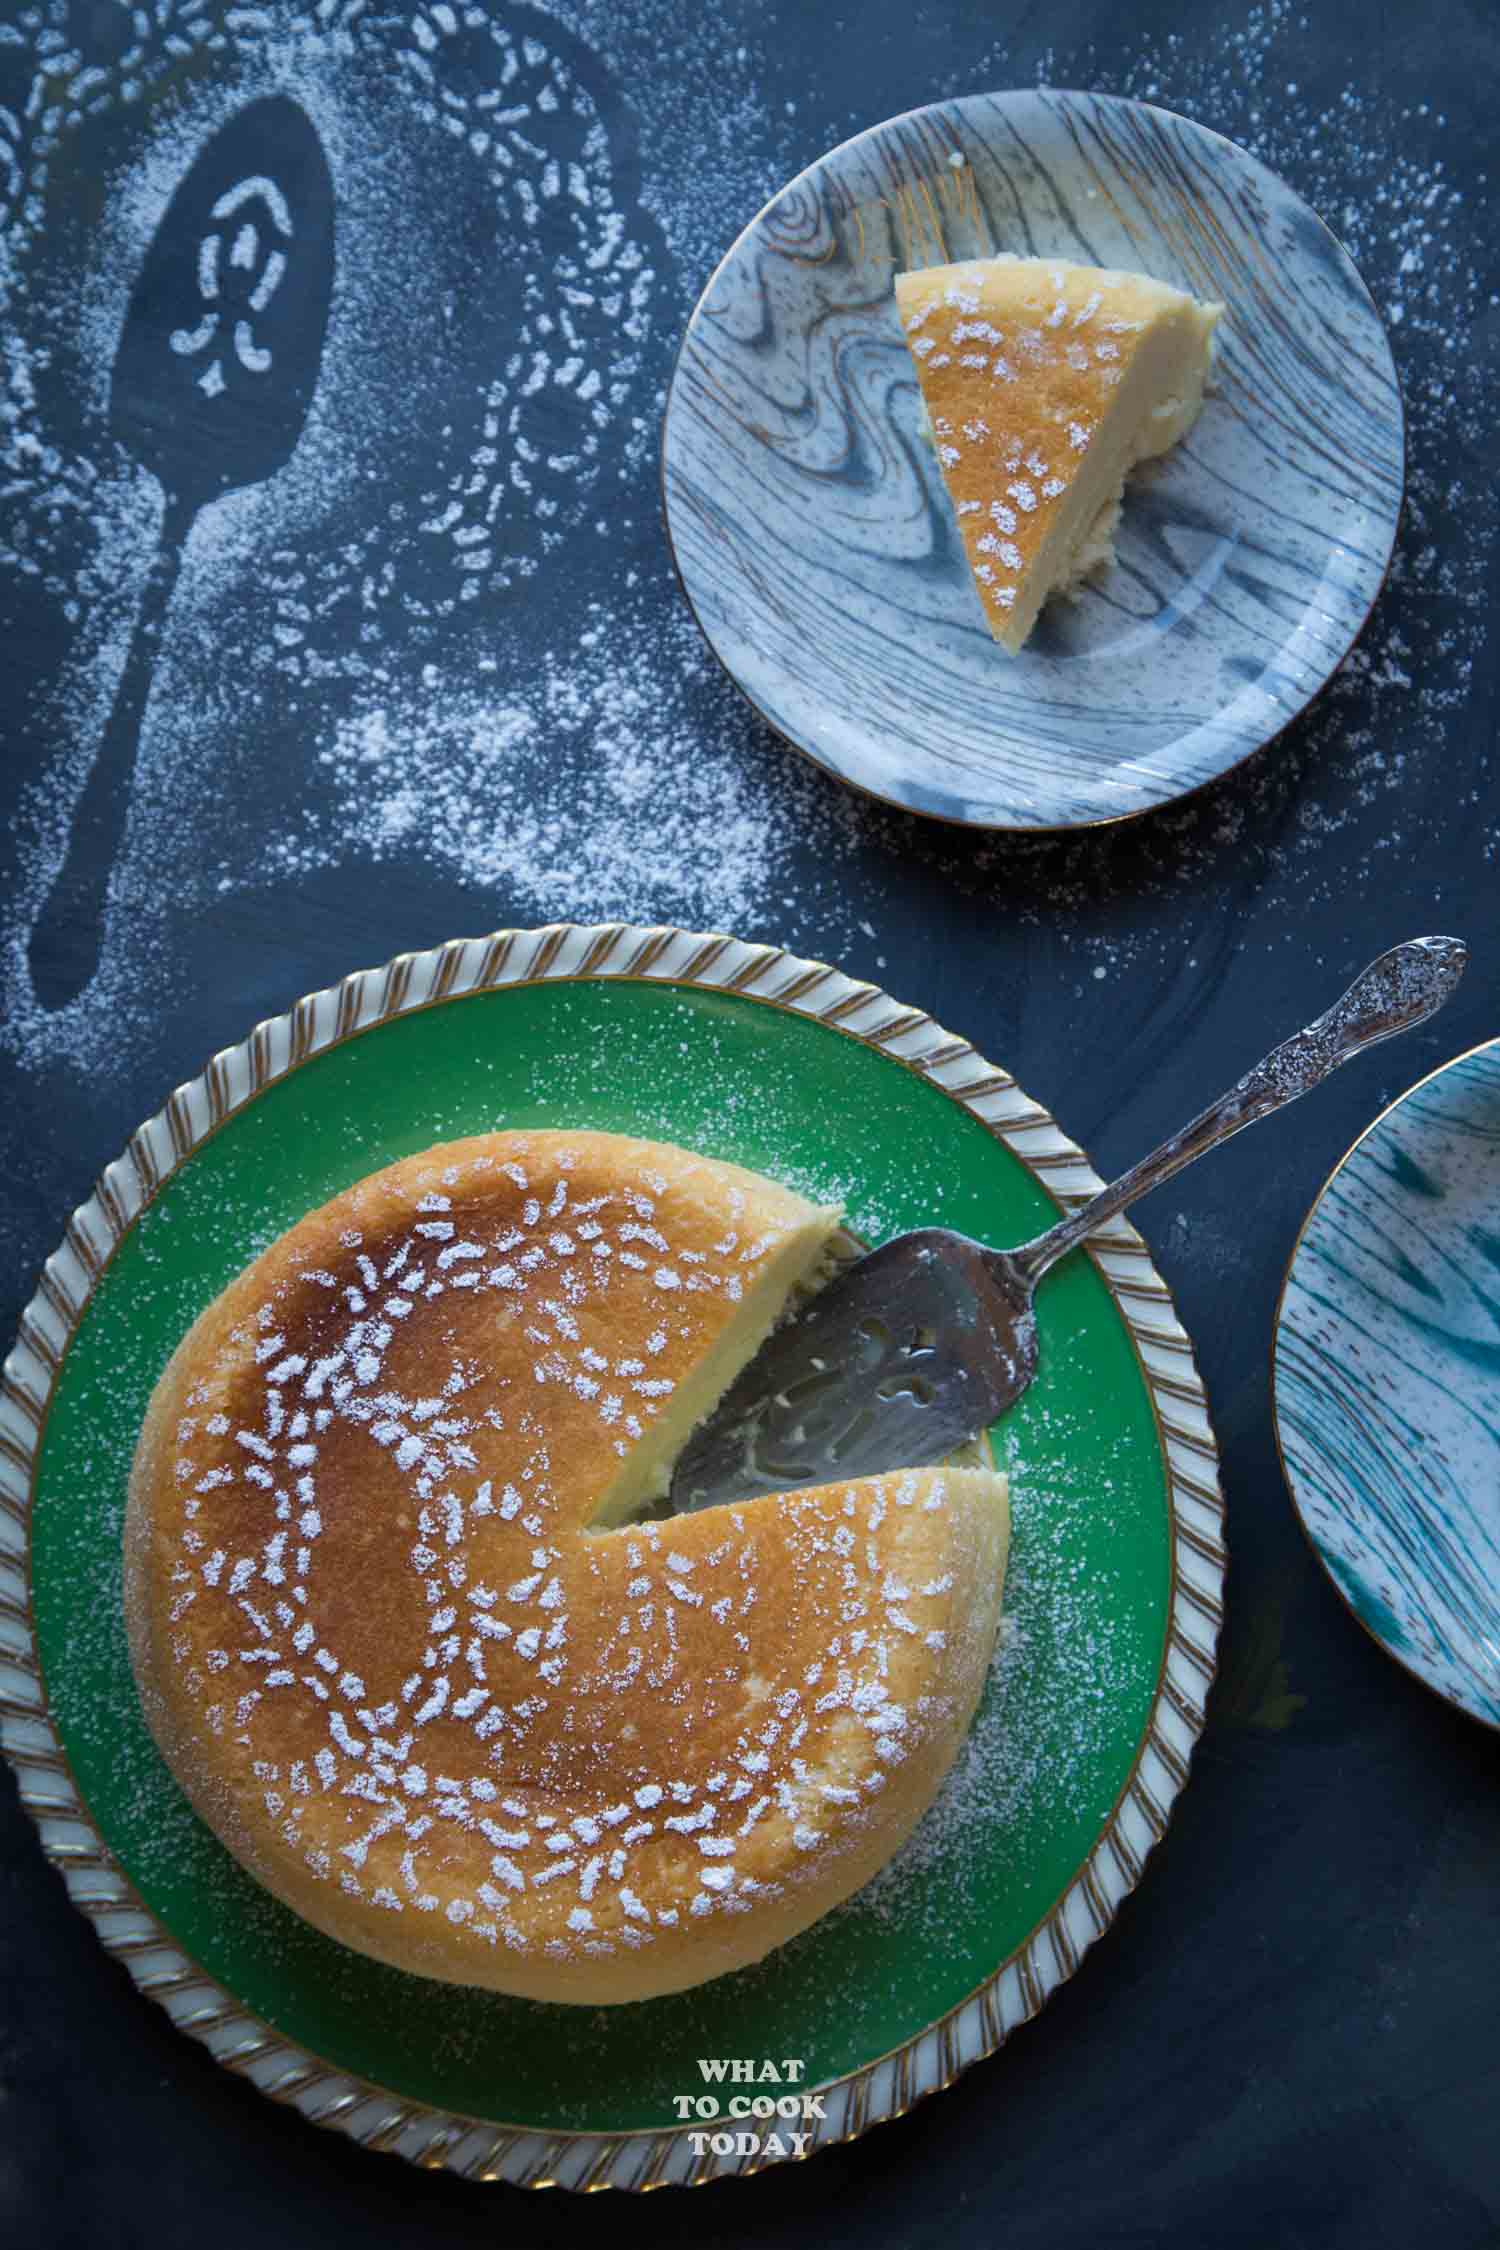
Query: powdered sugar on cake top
[[525, 1624]]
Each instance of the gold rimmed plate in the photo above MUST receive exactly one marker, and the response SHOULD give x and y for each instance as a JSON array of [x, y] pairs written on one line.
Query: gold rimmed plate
[[1093, 1705], [1387, 1381], [815, 543]]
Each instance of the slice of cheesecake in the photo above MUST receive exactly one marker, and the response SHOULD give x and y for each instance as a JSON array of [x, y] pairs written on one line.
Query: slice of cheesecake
[[1044, 385]]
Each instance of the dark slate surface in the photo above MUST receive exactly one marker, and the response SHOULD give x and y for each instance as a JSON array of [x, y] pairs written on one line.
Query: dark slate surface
[[1289, 2035]]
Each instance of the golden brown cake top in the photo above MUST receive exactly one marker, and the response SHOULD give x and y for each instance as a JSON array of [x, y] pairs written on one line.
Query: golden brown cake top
[[1018, 361], [378, 1638]]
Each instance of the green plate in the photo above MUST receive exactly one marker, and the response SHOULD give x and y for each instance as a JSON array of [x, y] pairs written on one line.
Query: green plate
[[1096, 1692]]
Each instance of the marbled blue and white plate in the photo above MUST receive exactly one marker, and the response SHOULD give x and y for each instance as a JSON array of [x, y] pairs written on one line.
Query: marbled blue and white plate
[[1388, 1380], [814, 539]]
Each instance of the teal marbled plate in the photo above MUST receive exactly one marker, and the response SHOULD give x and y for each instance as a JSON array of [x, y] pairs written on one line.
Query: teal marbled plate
[[1387, 1380]]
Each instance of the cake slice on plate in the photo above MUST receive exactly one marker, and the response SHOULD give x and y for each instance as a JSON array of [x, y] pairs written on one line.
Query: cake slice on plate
[[1044, 385]]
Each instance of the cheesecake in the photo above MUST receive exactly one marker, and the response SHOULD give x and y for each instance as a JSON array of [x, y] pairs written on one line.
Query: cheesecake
[[1044, 384], [415, 1645]]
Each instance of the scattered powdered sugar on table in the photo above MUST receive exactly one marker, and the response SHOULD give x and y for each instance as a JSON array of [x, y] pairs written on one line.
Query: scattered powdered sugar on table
[[611, 784], [366, 625], [715, 147]]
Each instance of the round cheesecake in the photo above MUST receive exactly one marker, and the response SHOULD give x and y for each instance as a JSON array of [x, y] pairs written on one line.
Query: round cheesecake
[[408, 1642]]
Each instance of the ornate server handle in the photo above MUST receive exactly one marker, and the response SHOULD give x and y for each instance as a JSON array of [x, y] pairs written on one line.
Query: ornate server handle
[[1402, 988]]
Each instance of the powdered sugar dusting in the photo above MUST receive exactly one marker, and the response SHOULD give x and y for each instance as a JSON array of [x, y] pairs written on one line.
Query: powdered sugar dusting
[[492, 233], [448, 1401], [607, 786]]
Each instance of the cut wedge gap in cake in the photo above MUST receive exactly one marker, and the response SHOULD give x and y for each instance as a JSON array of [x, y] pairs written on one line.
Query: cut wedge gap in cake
[[451, 1738], [1044, 384], [642, 1491], [809, 1256]]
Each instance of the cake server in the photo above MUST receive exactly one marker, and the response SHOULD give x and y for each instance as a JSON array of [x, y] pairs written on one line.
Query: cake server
[[918, 1346]]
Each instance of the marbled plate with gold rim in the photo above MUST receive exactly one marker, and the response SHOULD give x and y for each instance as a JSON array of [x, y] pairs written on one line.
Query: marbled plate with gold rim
[[818, 549], [1113, 1600]]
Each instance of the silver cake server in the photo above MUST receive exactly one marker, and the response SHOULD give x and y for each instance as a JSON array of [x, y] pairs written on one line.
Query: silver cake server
[[916, 1347]]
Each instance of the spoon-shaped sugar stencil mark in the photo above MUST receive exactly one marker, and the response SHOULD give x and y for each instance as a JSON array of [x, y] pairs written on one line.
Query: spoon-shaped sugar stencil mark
[[216, 367]]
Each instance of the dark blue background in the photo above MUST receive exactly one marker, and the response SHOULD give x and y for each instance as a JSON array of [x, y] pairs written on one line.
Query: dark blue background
[[1289, 2037]]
